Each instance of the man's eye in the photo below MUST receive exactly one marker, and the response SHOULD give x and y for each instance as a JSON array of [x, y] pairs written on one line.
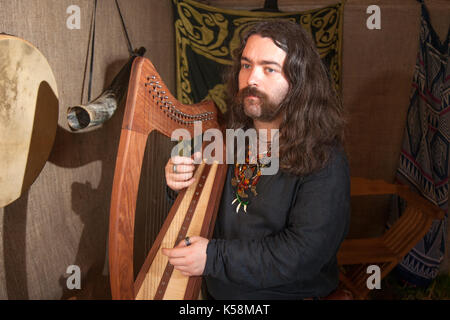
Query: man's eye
[[245, 66], [270, 70]]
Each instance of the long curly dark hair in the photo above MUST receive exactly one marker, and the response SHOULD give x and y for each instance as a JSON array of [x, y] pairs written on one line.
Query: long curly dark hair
[[313, 119]]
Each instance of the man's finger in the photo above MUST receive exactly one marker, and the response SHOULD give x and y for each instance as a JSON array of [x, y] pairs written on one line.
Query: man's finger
[[178, 185], [178, 262], [181, 176], [175, 252], [184, 168], [181, 160], [194, 239], [183, 269]]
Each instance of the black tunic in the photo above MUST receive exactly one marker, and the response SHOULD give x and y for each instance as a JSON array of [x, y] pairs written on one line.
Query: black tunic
[[285, 246]]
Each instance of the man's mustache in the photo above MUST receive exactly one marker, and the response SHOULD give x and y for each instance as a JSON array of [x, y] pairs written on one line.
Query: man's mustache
[[251, 91], [268, 109]]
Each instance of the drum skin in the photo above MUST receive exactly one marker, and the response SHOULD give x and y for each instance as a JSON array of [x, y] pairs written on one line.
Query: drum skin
[[28, 115]]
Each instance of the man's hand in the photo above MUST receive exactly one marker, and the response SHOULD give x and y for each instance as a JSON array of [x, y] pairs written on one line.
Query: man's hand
[[189, 260], [183, 177]]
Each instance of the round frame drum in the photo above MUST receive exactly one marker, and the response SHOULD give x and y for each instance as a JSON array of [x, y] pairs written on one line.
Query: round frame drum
[[28, 115]]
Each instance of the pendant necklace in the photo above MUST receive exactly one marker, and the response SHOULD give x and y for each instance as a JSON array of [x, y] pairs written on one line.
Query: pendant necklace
[[246, 176]]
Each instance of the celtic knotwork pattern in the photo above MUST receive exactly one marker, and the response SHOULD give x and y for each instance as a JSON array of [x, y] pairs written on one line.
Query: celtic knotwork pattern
[[207, 36]]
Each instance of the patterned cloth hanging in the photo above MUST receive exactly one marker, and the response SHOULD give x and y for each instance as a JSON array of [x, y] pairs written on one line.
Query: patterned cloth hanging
[[206, 37], [424, 158]]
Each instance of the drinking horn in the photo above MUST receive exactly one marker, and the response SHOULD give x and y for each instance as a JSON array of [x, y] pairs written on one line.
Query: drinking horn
[[102, 108]]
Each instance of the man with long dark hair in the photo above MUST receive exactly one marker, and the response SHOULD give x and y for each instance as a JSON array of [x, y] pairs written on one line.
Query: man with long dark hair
[[276, 236]]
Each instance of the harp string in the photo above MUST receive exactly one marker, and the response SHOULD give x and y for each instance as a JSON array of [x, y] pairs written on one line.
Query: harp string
[[147, 186]]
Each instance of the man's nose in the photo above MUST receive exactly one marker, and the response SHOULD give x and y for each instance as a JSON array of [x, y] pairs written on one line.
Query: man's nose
[[254, 77]]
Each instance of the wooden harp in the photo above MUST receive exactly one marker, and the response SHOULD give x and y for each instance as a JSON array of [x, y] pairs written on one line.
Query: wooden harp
[[150, 106]]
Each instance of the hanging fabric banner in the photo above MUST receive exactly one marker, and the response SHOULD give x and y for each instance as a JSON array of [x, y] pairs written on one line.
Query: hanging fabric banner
[[424, 158], [207, 36]]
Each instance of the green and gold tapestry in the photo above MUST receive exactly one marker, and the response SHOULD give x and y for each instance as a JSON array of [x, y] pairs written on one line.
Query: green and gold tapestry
[[207, 36]]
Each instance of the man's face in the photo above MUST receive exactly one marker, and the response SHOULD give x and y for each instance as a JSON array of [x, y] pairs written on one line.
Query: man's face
[[262, 83]]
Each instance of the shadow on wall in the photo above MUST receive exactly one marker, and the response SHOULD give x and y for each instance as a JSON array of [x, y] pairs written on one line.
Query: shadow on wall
[[14, 248], [72, 150], [92, 205], [15, 214]]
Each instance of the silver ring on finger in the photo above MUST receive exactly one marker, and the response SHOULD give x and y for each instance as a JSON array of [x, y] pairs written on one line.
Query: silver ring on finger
[[174, 168]]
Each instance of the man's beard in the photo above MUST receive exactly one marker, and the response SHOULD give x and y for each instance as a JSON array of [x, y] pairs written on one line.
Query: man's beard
[[268, 110]]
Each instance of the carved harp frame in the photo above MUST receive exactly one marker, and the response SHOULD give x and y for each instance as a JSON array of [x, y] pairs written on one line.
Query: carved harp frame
[[150, 106]]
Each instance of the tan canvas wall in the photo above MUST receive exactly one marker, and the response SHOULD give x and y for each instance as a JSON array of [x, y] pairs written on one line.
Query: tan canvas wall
[[63, 218]]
